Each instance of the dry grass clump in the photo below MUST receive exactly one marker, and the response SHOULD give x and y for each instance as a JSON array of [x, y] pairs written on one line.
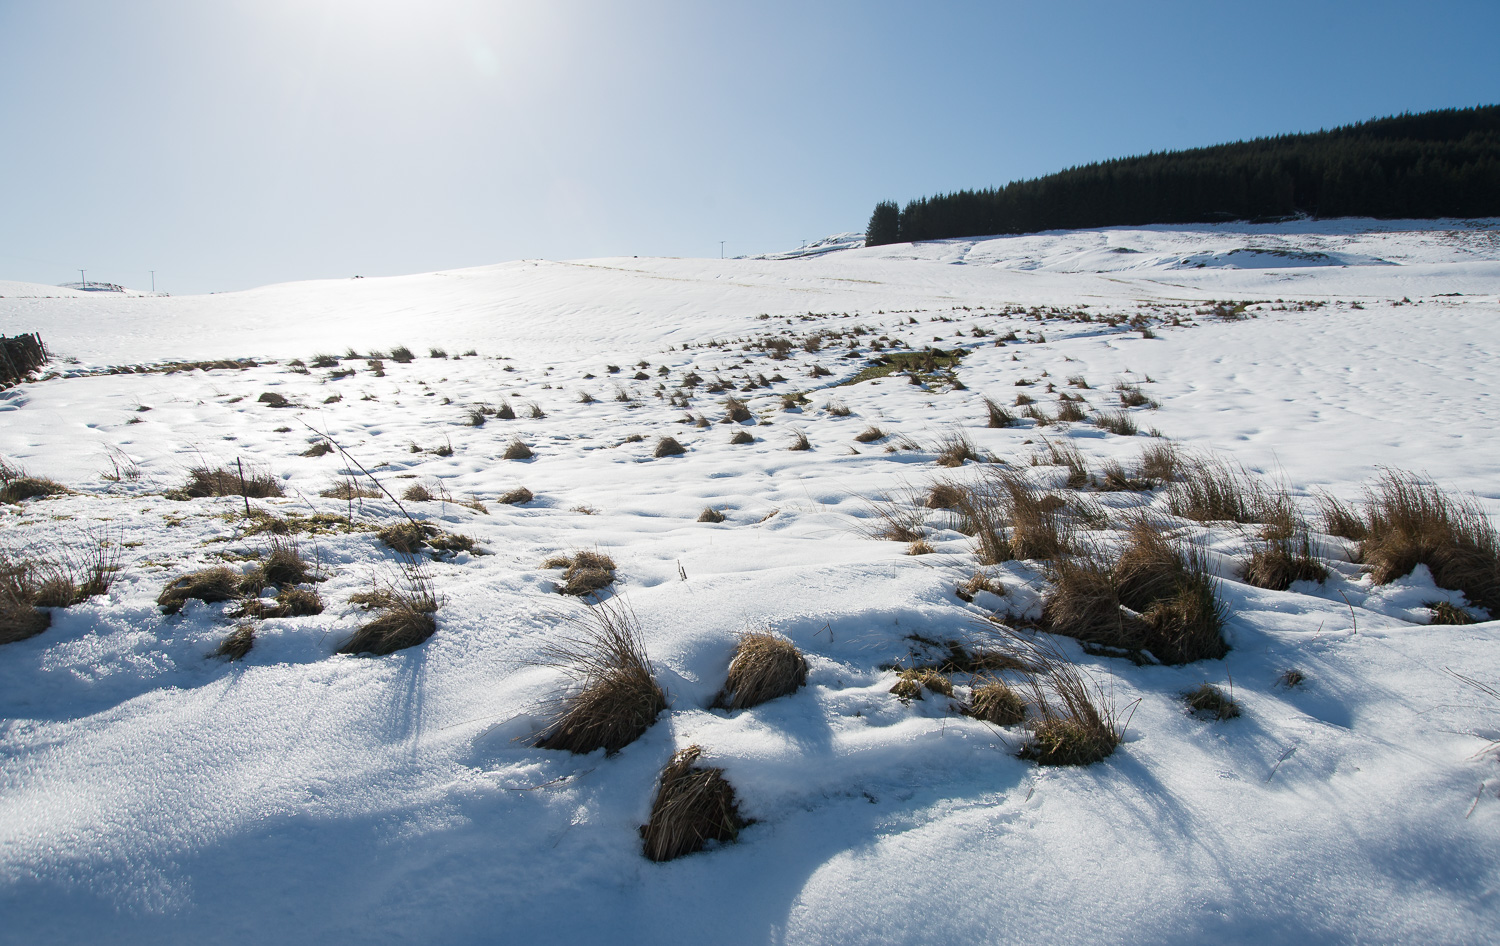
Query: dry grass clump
[[912, 682], [254, 483], [710, 514], [1070, 411], [1116, 422], [1158, 597], [869, 435], [209, 585], [20, 617], [694, 804], [668, 447], [763, 668], [1291, 678], [615, 698], [1340, 518], [741, 436], [1276, 563], [402, 355], [518, 496], [1211, 490], [517, 450], [736, 411], [1408, 522], [403, 615], [920, 547], [290, 603], [1210, 702], [944, 495], [585, 572], [21, 488], [237, 643], [349, 489], [998, 416], [995, 701], [1012, 519], [272, 399], [838, 409], [408, 537], [895, 520], [976, 583], [955, 449], [417, 493], [1444, 612], [60, 579], [1076, 721], [320, 449], [1159, 462], [800, 441], [283, 565], [1066, 455]]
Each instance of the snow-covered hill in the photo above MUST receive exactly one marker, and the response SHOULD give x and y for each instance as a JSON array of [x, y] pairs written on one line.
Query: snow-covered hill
[[152, 792]]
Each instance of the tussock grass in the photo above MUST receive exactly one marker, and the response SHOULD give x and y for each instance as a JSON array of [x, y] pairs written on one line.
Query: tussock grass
[[1276, 563], [237, 643], [1011, 519], [1408, 522], [209, 585], [24, 487], [615, 697], [517, 497], [710, 514], [668, 447], [895, 520], [1070, 412], [912, 682], [203, 481], [995, 701], [1444, 612], [320, 449], [1158, 597], [998, 416], [1210, 702], [1291, 678], [402, 355], [741, 437], [694, 804], [1159, 462], [1340, 518], [290, 603], [408, 537], [920, 547], [838, 409], [944, 495], [763, 668], [869, 435], [955, 449], [1211, 490], [403, 611], [349, 489], [736, 411], [517, 450], [800, 441], [976, 583], [274, 400], [417, 493], [1076, 722], [1116, 422], [585, 572]]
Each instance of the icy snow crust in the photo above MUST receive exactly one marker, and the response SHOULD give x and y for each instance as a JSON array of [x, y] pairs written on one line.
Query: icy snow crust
[[151, 793]]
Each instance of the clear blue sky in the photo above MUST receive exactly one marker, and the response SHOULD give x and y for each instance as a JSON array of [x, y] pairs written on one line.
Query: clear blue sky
[[235, 143]]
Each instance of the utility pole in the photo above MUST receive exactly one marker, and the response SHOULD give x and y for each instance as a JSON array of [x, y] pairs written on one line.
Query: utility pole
[[83, 279], [721, 249], [153, 280]]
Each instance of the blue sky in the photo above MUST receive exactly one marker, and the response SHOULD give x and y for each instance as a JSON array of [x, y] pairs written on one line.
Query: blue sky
[[243, 142]]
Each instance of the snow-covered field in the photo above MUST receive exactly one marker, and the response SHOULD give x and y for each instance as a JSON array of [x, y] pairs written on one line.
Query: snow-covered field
[[151, 792]]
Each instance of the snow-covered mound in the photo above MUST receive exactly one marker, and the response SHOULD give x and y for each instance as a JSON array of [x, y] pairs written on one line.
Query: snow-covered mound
[[153, 791]]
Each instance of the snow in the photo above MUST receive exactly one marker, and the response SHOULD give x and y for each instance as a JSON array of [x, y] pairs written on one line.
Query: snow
[[154, 793]]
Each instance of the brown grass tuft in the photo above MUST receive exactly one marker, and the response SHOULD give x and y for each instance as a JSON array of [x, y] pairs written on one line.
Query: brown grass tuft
[[741, 436], [1077, 723], [257, 483], [668, 447], [518, 450], [1116, 422], [944, 495], [237, 643], [209, 585], [1409, 522], [869, 435], [403, 615], [349, 489], [995, 701], [998, 416], [616, 697], [920, 547], [1276, 563], [1212, 490], [585, 572], [764, 667], [1159, 462], [694, 804], [736, 411], [408, 537], [800, 441], [29, 487], [417, 493], [911, 683], [1210, 702], [710, 514], [1444, 612], [517, 497], [976, 583]]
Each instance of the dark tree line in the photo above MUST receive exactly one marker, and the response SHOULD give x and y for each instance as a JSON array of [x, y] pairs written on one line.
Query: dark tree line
[[1435, 164]]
